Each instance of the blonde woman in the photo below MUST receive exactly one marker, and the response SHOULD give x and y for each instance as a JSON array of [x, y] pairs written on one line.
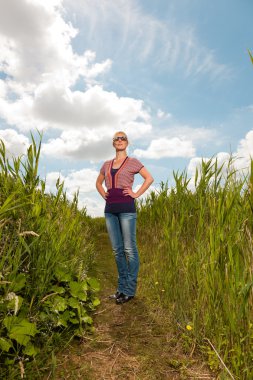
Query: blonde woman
[[120, 213]]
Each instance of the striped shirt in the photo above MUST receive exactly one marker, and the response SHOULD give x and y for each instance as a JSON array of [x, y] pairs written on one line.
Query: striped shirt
[[118, 179]]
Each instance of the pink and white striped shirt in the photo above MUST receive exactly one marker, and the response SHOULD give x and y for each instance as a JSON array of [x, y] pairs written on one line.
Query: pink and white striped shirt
[[125, 174]]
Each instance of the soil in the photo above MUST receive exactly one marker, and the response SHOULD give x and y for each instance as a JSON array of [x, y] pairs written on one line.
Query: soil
[[133, 341]]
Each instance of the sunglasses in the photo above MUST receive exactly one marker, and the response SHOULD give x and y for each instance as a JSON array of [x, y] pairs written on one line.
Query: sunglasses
[[118, 138]]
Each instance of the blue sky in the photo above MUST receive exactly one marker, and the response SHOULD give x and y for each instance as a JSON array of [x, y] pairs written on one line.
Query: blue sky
[[175, 75]]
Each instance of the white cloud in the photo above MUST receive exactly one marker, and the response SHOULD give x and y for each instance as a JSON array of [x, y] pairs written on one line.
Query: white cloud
[[163, 115], [15, 143], [164, 147], [63, 109], [144, 196], [80, 144], [36, 45], [41, 66], [42, 71], [175, 140], [245, 147], [223, 160], [93, 108], [83, 181], [197, 135], [95, 207], [244, 152], [195, 163], [93, 145], [238, 160], [186, 132], [90, 122], [2, 89], [51, 179]]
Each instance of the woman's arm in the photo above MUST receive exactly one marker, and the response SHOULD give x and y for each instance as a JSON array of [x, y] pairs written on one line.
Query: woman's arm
[[99, 183], [148, 179]]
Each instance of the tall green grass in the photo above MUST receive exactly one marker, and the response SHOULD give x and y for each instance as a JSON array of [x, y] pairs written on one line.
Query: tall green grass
[[46, 250], [197, 260]]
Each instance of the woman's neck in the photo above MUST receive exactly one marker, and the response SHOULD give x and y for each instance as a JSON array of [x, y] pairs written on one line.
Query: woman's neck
[[120, 155]]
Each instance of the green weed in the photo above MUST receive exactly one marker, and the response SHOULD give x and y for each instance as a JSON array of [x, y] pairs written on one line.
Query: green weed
[[46, 251], [197, 246]]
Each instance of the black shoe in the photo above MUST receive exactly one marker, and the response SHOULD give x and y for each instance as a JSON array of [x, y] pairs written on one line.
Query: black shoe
[[123, 298], [115, 296]]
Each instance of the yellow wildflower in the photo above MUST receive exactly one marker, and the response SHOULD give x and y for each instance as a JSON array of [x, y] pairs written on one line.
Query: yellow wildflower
[[189, 327]]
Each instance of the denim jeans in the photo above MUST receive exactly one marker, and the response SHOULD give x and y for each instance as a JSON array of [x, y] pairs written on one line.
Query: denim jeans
[[121, 228]]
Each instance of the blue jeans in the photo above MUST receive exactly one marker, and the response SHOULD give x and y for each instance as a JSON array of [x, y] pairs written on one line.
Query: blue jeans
[[121, 228]]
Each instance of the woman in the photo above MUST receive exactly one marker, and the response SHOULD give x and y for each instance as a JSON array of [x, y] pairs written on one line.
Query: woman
[[120, 213]]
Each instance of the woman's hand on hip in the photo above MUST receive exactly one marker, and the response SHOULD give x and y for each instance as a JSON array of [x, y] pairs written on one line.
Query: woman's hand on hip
[[106, 195], [129, 191]]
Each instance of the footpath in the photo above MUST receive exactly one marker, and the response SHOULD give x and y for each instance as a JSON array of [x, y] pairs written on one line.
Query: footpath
[[131, 341]]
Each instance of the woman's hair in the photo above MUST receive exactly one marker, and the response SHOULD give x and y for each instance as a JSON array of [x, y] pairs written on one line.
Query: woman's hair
[[120, 133]]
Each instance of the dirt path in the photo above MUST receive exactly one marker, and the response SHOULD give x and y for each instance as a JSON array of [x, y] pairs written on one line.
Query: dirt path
[[131, 341]]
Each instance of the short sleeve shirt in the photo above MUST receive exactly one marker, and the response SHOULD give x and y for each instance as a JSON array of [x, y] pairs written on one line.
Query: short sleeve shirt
[[125, 174], [118, 179]]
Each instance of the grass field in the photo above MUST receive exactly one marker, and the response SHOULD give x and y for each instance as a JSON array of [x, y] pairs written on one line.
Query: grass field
[[196, 252], [46, 251], [198, 261]]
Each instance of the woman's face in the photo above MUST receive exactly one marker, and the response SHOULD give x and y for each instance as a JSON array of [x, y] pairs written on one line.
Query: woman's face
[[120, 141]]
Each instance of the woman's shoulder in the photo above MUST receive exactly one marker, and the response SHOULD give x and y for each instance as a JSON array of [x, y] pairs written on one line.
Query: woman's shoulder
[[105, 166], [133, 159], [107, 162], [134, 164]]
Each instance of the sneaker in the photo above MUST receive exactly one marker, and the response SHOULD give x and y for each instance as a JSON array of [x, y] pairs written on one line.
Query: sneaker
[[123, 298], [115, 296]]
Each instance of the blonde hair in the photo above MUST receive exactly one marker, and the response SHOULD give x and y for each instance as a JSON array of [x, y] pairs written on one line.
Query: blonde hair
[[120, 132]]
